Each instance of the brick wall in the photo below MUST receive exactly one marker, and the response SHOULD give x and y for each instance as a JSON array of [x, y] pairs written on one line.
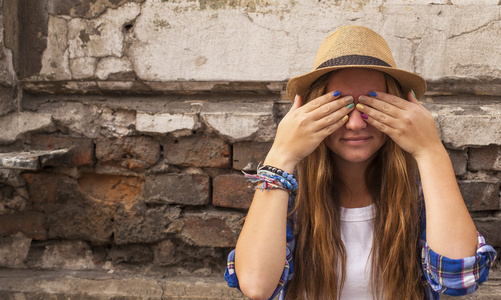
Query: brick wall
[[159, 105]]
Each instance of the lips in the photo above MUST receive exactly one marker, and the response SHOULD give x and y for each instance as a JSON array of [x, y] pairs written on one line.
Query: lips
[[356, 140]]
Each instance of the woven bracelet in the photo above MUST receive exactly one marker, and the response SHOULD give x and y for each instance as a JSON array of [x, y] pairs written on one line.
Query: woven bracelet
[[288, 181]]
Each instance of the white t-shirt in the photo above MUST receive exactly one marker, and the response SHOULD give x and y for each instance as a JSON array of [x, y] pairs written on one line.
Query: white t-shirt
[[357, 225]]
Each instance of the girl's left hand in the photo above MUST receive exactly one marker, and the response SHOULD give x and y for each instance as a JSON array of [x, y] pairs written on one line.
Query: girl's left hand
[[407, 123]]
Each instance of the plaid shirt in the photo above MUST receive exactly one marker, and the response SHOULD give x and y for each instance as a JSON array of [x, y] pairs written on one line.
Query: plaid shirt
[[440, 275]]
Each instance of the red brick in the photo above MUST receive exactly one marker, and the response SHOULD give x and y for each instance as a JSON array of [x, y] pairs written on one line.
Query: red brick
[[480, 195], [213, 229], [81, 154], [247, 155], [32, 224], [232, 191], [197, 151], [184, 189], [134, 153], [485, 158], [111, 188], [42, 187]]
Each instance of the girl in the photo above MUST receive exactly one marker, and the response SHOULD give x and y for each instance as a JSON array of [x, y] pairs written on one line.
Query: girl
[[374, 211]]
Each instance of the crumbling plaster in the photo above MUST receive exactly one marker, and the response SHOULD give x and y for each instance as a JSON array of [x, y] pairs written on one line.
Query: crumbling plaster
[[183, 40]]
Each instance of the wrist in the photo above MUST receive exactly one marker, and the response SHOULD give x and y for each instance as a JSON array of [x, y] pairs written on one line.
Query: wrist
[[432, 154], [280, 161]]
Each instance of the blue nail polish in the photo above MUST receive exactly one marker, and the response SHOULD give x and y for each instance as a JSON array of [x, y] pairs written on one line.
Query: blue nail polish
[[372, 94], [336, 93]]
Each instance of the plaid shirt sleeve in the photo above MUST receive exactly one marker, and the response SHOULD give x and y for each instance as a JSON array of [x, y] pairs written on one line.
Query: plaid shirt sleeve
[[231, 277], [456, 277]]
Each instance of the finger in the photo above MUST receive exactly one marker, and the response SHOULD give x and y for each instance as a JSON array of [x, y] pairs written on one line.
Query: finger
[[390, 99], [412, 98], [379, 116], [333, 106], [331, 127], [333, 121], [317, 102], [298, 101], [380, 125]]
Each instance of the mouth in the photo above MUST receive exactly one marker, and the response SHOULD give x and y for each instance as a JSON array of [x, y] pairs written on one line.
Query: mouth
[[357, 140]]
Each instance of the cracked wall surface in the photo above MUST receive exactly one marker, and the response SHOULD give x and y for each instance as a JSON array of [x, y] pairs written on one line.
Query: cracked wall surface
[[161, 40], [126, 125]]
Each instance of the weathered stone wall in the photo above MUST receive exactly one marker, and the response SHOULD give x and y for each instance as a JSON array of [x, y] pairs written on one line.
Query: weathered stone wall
[[155, 108]]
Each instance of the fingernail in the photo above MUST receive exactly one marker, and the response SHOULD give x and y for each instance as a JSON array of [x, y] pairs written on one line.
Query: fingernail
[[360, 106], [365, 117], [372, 94], [350, 106], [413, 94], [336, 93], [349, 99], [362, 99], [295, 98], [345, 118]]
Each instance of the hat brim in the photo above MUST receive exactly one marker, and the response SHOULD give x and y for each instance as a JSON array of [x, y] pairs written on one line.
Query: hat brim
[[299, 85]]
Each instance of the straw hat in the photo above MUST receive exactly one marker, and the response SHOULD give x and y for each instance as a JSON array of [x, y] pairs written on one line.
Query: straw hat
[[354, 46]]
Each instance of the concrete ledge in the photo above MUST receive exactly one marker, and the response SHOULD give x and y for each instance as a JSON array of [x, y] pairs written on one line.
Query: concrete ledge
[[49, 285], [52, 285]]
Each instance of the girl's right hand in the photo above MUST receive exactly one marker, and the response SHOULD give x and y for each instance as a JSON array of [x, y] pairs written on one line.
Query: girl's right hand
[[304, 127]]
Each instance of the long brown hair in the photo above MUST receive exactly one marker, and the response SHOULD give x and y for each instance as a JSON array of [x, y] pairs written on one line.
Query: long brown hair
[[319, 252]]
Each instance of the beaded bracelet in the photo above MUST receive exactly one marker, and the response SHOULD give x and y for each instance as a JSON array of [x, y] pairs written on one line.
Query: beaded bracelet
[[288, 177], [274, 178]]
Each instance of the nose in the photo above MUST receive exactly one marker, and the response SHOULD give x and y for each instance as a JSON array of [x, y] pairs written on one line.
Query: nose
[[355, 121]]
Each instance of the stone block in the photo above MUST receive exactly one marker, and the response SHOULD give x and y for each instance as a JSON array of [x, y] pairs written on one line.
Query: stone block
[[31, 224], [247, 155], [212, 229], [185, 189], [83, 67], [134, 254], [197, 151], [81, 149], [232, 191], [238, 121], [116, 122], [135, 153], [78, 118], [55, 58], [87, 221], [70, 213], [458, 159], [88, 120], [110, 188], [461, 126], [7, 100], [112, 65], [165, 253], [102, 36], [16, 124], [14, 250], [485, 159], [480, 195], [182, 124], [67, 255], [141, 224]]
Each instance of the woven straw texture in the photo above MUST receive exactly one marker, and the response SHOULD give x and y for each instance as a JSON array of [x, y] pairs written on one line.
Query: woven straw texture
[[354, 46]]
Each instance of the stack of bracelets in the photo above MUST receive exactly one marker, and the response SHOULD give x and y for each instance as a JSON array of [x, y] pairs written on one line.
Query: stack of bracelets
[[274, 178]]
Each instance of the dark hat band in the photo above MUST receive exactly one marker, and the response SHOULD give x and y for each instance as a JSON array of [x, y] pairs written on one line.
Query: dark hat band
[[354, 59]]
